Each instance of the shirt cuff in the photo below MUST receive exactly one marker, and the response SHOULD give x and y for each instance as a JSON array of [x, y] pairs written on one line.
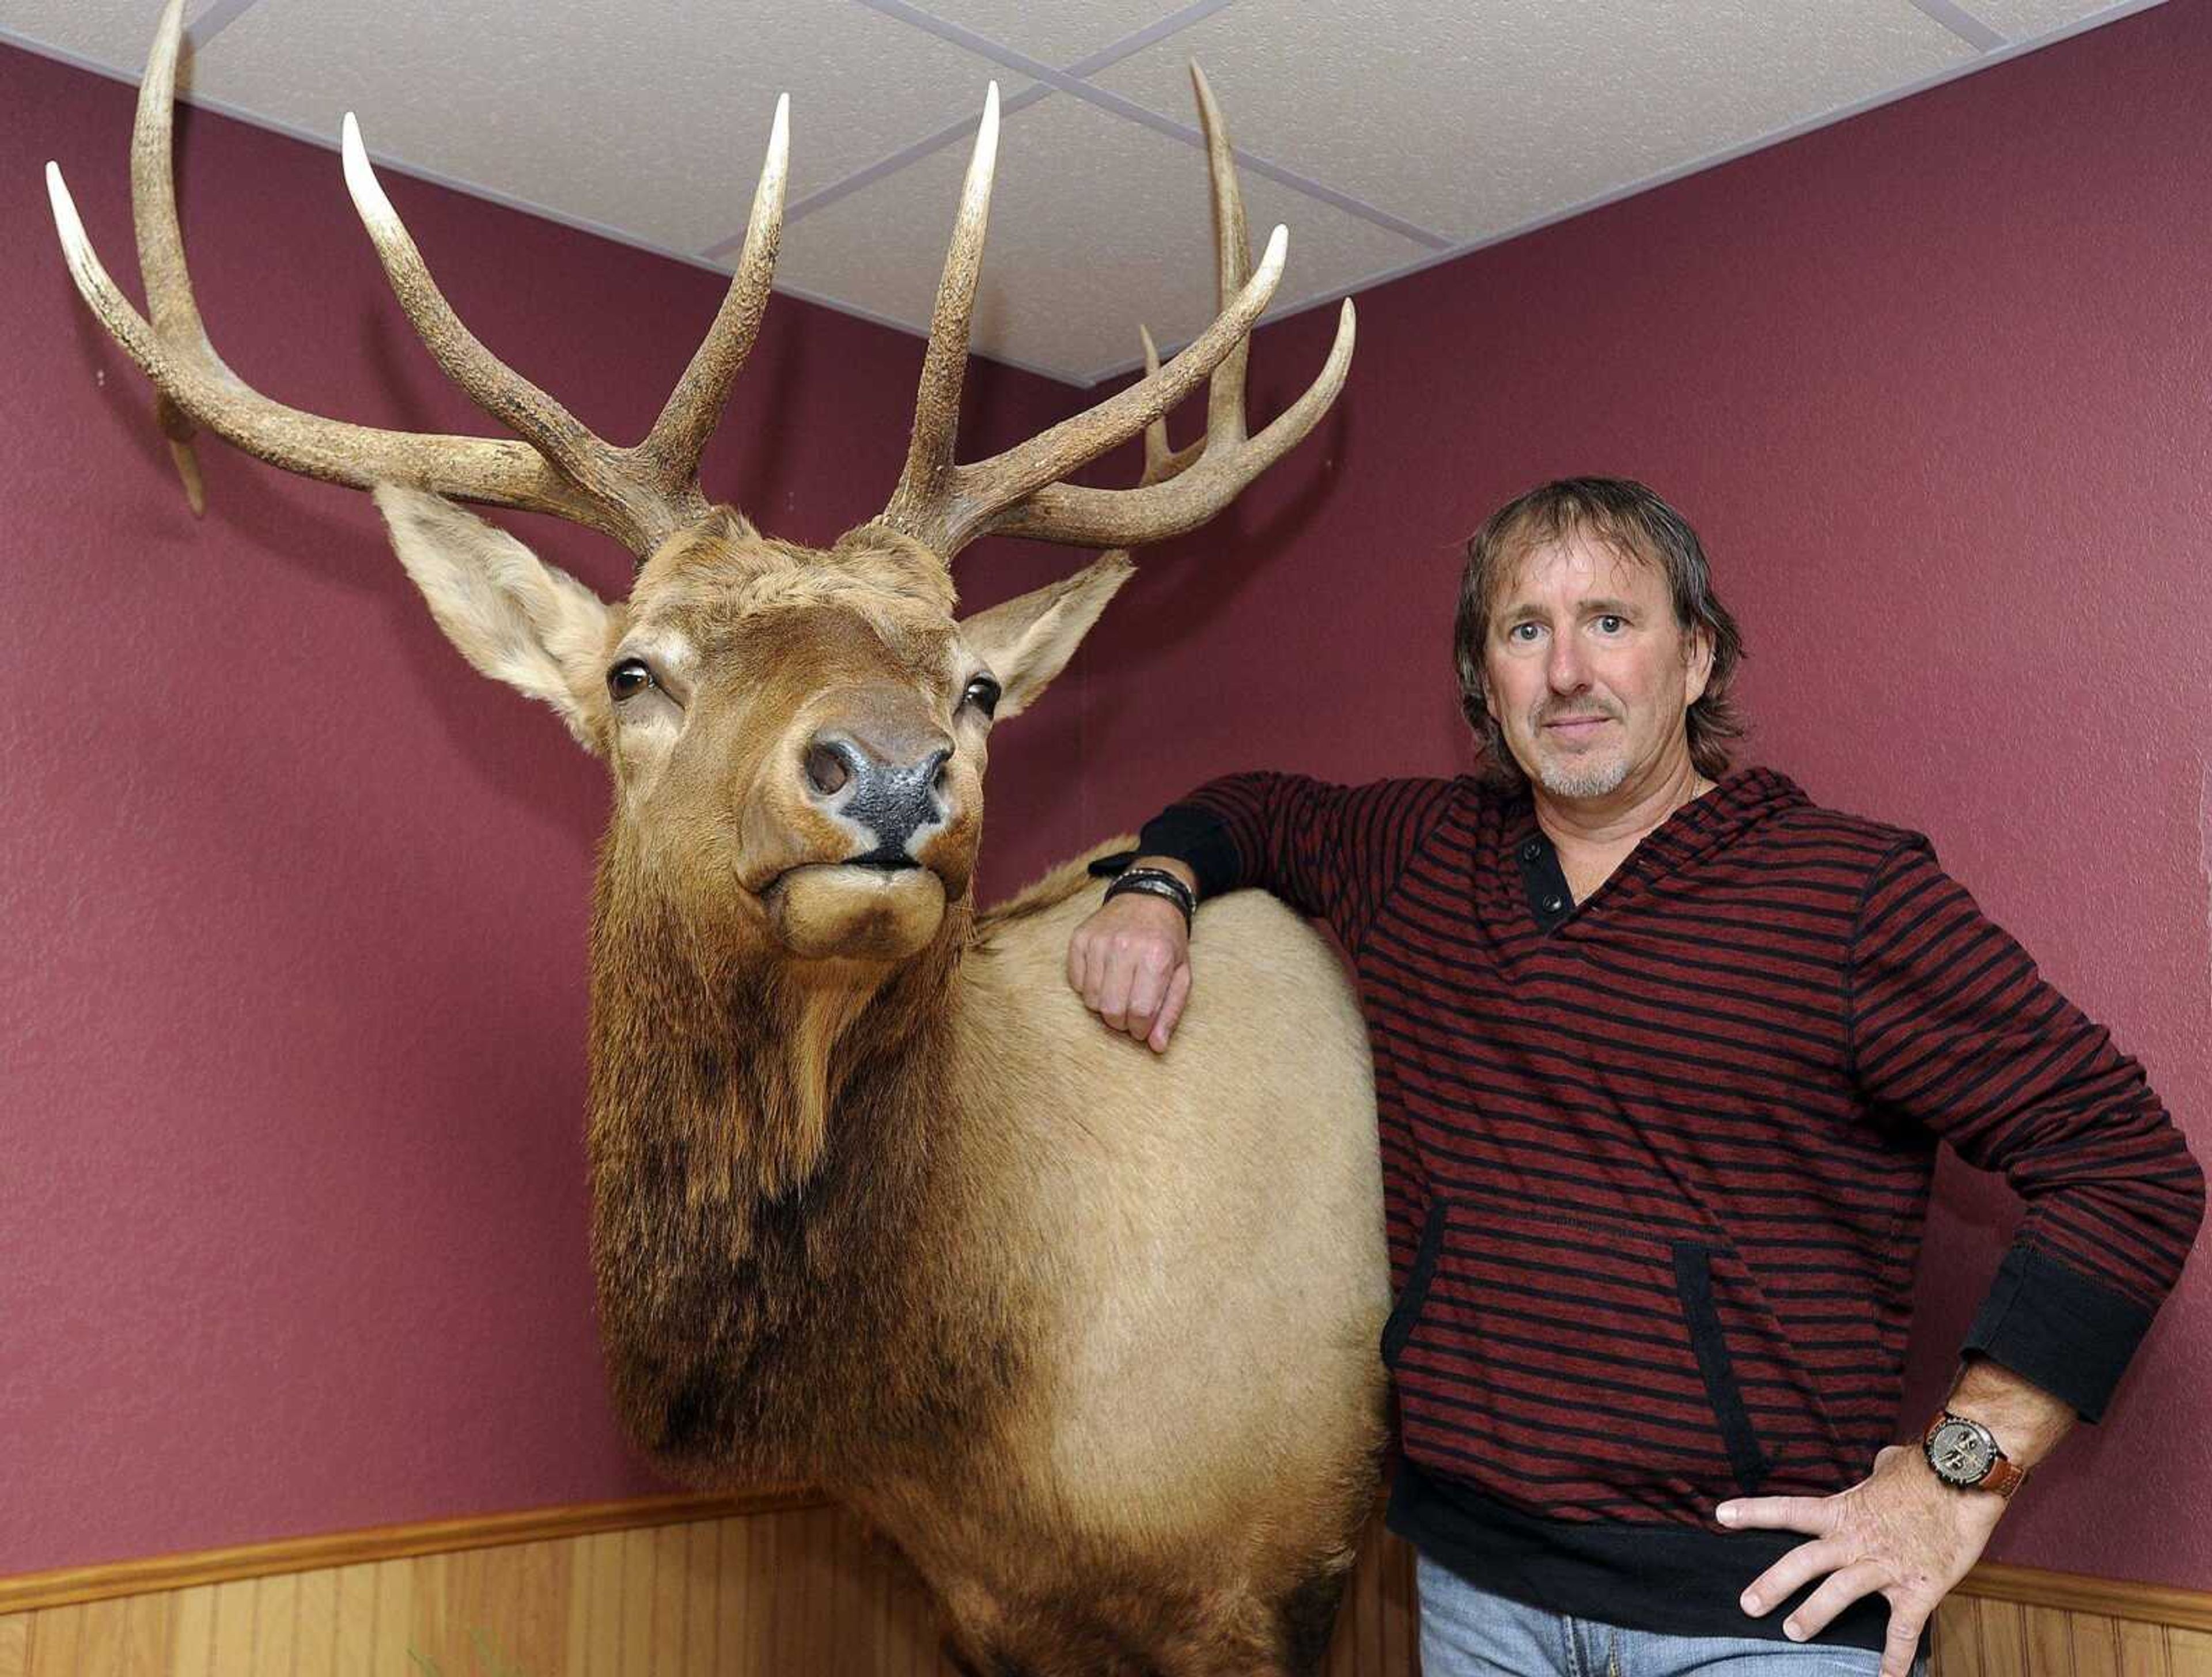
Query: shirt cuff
[[2054, 1325], [1195, 837]]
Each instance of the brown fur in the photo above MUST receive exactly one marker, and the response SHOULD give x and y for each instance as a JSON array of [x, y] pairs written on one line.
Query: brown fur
[[1089, 1334]]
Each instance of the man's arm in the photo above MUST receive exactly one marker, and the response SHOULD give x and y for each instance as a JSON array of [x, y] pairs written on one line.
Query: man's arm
[[1900, 1533], [1329, 851], [1952, 1026]]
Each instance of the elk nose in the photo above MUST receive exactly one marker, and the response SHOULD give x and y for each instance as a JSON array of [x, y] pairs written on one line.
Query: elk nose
[[891, 791]]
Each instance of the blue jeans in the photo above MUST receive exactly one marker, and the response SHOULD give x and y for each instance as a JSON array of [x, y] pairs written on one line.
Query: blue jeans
[[1468, 1632]]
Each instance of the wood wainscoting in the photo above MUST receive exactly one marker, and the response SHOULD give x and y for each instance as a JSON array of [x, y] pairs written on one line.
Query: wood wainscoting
[[2019, 1621], [780, 1584]]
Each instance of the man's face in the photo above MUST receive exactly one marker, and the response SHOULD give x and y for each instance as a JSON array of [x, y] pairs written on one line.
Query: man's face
[[1587, 671]]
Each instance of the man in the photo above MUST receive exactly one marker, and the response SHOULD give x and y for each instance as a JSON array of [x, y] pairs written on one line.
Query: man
[[1663, 1054]]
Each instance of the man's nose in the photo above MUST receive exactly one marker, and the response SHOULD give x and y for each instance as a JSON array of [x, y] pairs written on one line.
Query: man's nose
[[1566, 669]]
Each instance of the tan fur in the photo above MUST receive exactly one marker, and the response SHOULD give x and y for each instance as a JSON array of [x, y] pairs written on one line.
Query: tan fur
[[1209, 1220], [1017, 636], [1090, 1333], [516, 618]]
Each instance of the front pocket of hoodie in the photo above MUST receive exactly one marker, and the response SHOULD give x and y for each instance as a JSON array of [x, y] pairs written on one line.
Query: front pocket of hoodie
[[1693, 1287], [1406, 1311], [1588, 1363]]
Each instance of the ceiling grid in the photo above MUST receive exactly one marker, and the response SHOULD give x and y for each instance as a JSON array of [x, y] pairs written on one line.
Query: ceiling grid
[[207, 21], [1388, 135], [1963, 24], [1106, 99], [965, 128]]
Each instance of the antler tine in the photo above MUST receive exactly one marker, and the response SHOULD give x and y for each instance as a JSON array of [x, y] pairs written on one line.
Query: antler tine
[[1183, 488], [987, 496], [928, 479], [177, 425], [1232, 264], [1162, 462], [639, 496], [679, 436], [596, 467], [1155, 511], [1019, 492], [160, 242], [186, 368], [169, 298]]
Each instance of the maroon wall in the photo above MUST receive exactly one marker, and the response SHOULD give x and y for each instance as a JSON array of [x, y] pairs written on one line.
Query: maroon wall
[[291, 992], [1936, 386], [291, 1007]]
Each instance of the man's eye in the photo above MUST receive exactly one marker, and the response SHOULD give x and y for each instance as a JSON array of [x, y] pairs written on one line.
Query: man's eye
[[629, 678], [1522, 632], [1612, 624], [984, 694]]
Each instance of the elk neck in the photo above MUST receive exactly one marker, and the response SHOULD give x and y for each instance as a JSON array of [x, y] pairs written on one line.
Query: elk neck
[[780, 1270]]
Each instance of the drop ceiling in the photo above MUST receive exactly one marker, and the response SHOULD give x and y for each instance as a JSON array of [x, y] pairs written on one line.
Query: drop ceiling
[[1388, 135]]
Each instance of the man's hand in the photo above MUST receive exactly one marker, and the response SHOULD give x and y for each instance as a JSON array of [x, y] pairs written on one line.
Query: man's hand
[[1130, 962], [1900, 1533]]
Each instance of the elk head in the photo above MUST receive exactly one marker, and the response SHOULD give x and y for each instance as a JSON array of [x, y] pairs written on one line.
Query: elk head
[[797, 735]]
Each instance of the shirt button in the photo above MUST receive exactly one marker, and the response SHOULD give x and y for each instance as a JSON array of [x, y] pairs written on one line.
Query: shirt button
[[1532, 850], [1553, 905]]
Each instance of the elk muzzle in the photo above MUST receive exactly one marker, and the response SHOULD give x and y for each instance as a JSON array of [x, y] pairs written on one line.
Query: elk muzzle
[[890, 785], [880, 777]]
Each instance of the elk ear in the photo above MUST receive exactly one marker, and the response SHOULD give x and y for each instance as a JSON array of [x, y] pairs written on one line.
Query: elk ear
[[1027, 640], [514, 616]]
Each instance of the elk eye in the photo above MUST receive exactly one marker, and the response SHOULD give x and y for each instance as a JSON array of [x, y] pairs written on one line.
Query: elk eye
[[984, 694], [629, 678]]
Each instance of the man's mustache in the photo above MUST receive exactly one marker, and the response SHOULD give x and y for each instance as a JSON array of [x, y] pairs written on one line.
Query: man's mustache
[[1549, 713]]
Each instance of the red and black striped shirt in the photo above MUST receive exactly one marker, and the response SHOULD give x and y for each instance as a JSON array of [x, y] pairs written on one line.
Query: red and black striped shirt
[[1656, 1163]]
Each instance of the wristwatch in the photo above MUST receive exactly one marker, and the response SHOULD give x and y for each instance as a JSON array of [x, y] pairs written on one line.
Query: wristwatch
[[1965, 1456]]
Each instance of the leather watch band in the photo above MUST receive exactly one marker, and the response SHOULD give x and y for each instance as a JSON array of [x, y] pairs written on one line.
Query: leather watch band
[[2004, 1477]]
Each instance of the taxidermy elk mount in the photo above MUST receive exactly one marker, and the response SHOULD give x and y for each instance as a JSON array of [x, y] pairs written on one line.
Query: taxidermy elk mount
[[1090, 1334]]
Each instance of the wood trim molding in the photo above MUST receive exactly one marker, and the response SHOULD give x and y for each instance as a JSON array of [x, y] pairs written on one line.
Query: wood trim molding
[[2157, 1604], [68, 1586], [2076, 1592]]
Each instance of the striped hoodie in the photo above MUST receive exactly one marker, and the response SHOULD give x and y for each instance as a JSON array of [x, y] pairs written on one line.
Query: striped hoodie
[[1656, 1163]]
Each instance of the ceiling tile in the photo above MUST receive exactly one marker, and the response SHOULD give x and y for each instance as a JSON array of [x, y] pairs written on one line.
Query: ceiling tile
[[650, 117], [113, 34], [1471, 121], [1097, 223]]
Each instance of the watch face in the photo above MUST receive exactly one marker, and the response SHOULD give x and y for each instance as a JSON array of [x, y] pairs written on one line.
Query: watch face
[[1961, 1452]]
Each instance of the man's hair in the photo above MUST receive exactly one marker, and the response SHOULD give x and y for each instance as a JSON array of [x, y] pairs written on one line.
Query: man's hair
[[1635, 525]]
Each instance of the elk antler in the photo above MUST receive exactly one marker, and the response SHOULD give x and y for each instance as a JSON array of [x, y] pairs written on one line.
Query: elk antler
[[1018, 493], [639, 495]]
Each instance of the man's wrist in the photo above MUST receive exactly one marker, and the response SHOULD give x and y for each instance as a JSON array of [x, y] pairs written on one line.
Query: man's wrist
[[2028, 1421], [1181, 870]]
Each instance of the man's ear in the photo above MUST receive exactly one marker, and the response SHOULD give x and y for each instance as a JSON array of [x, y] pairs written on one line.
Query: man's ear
[[1698, 671], [1029, 639], [514, 617]]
